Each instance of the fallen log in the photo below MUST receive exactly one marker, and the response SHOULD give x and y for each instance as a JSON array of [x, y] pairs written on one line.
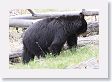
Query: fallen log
[[27, 20], [13, 56], [22, 23], [19, 23], [34, 16]]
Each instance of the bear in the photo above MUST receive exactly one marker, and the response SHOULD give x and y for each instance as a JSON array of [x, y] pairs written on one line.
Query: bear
[[50, 34]]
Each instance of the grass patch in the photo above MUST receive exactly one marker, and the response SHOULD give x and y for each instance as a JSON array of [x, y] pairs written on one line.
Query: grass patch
[[66, 58]]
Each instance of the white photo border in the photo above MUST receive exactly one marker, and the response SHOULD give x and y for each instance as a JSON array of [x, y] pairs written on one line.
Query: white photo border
[[102, 72]]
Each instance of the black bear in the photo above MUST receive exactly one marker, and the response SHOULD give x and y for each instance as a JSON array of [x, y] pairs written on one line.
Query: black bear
[[50, 34]]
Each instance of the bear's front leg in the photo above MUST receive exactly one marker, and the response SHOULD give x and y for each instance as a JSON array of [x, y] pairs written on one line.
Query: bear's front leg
[[57, 44], [55, 49], [72, 41]]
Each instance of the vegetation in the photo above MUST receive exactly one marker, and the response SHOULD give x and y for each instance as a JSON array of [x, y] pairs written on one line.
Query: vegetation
[[66, 58]]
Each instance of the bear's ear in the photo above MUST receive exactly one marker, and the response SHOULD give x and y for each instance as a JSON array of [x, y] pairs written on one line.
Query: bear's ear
[[81, 15]]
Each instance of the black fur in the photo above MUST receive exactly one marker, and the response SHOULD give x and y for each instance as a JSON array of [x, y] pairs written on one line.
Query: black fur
[[50, 34]]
